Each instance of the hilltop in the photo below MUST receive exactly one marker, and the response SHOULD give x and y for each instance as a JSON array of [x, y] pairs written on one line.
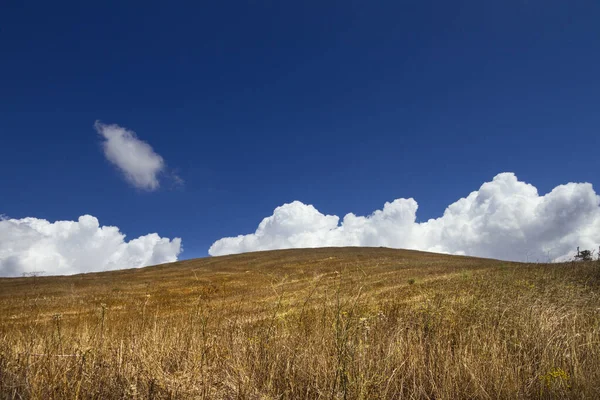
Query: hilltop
[[308, 323]]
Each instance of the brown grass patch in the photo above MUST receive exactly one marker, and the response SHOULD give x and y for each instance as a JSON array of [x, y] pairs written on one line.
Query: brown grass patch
[[325, 323]]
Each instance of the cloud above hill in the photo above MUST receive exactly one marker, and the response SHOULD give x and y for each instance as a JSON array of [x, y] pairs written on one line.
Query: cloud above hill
[[32, 245], [506, 219], [139, 163]]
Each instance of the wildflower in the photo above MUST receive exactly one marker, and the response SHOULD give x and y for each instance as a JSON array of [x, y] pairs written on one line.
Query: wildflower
[[556, 377]]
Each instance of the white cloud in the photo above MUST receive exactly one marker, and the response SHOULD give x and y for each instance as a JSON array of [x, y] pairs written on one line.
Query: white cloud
[[68, 247], [505, 219], [135, 158]]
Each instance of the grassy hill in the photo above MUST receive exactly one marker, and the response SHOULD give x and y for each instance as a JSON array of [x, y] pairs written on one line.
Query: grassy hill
[[351, 323]]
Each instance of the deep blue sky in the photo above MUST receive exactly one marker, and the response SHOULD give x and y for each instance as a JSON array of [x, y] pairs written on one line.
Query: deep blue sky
[[344, 105]]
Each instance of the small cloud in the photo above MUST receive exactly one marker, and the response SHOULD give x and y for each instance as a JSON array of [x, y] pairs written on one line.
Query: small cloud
[[139, 163], [33, 246], [177, 181], [506, 219]]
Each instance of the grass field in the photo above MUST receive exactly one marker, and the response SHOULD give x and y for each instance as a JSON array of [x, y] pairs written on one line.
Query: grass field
[[343, 323]]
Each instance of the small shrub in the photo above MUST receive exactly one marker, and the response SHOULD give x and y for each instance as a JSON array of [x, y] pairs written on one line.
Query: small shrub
[[584, 255]]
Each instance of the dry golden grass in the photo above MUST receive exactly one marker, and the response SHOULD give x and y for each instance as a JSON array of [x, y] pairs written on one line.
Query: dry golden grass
[[347, 323]]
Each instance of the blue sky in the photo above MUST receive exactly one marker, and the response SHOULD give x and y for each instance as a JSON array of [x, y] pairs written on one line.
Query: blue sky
[[342, 105]]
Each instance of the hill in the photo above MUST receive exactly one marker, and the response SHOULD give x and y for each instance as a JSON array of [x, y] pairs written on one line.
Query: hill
[[356, 323]]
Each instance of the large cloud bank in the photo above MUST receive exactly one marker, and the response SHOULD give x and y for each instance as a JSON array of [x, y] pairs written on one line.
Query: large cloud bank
[[136, 159], [32, 245], [505, 219]]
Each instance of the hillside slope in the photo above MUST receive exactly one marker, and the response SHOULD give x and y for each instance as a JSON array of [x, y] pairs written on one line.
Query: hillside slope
[[312, 323]]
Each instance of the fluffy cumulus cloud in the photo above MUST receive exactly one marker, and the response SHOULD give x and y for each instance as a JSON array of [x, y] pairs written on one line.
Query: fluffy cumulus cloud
[[32, 245], [506, 219], [139, 163]]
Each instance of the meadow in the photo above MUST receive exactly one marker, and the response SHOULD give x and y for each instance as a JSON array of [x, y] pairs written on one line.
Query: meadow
[[333, 323]]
